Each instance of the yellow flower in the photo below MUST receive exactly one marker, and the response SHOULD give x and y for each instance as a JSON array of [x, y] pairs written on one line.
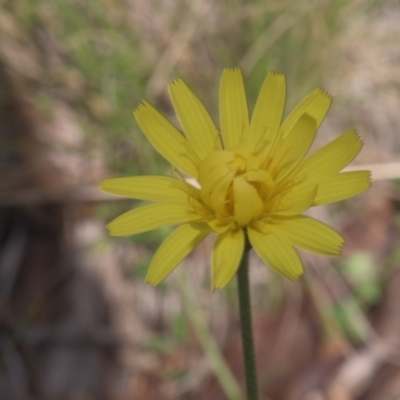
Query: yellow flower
[[254, 179]]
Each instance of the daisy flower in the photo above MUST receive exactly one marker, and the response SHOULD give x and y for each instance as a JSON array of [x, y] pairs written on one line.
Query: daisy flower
[[252, 177]]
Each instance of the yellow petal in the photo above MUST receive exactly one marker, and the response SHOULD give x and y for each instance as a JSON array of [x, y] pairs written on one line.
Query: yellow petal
[[268, 111], [147, 187], [333, 157], [220, 173], [259, 176], [152, 216], [217, 198], [316, 104], [310, 234], [234, 116], [276, 251], [295, 146], [173, 250], [299, 199], [342, 186], [216, 159], [218, 226], [227, 253], [246, 202], [166, 139], [199, 129]]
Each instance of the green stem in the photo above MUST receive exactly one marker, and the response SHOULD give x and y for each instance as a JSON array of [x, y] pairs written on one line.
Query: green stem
[[246, 327]]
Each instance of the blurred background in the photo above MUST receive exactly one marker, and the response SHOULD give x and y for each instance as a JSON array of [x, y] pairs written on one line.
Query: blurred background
[[77, 321]]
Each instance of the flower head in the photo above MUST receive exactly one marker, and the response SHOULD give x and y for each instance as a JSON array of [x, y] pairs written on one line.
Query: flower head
[[254, 179]]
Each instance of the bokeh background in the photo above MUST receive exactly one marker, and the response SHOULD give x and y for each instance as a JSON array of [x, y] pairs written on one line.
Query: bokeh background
[[77, 321]]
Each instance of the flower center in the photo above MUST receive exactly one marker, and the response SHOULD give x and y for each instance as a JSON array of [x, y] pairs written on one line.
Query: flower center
[[235, 186]]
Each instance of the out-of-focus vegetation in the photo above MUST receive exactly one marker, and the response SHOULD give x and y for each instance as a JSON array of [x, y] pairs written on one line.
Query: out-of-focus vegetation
[[109, 55]]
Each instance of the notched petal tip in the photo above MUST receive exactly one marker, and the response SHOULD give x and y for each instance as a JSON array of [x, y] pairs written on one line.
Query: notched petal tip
[[357, 140], [297, 277], [110, 229], [215, 287], [141, 107], [232, 70], [114, 230], [367, 177], [142, 110], [150, 281], [325, 93], [176, 82], [340, 247], [293, 276], [369, 180], [357, 136], [310, 117], [176, 85], [218, 286], [277, 74], [102, 185]]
